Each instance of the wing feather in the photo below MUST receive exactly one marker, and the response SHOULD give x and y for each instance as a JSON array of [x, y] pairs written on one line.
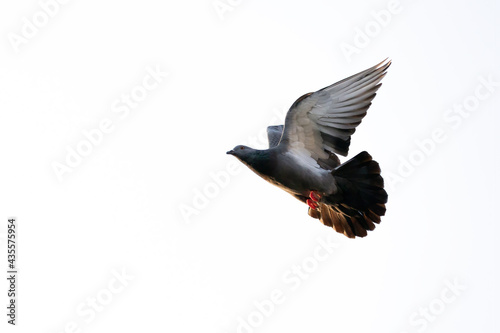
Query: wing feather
[[322, 123], [274, 135]]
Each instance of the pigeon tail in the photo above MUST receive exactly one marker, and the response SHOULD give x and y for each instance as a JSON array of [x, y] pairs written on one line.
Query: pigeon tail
[[360, 200]]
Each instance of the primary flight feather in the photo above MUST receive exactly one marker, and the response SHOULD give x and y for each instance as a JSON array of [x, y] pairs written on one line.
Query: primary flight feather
[[302, 160]]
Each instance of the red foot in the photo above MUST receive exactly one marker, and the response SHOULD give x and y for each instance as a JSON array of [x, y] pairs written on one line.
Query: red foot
[[312, 204], [315, 196]]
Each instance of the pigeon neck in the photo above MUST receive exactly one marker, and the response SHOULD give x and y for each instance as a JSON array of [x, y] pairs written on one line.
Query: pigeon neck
[[260, 161]]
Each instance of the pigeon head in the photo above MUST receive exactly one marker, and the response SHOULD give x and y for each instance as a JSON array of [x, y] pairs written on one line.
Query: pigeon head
[[257, 160], [243, 153]]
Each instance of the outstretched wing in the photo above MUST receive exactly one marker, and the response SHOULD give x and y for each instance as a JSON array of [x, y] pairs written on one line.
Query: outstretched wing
[[322, 122], [274, 135]]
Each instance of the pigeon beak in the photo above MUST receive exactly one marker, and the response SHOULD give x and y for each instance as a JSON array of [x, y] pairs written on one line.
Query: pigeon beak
[[230, 152]]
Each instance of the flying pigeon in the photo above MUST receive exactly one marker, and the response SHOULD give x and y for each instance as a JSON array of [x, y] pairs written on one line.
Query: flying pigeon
[[302, 160]]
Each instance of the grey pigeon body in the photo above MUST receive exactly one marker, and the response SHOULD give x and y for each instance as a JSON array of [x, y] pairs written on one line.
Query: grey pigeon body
[[302, 160]]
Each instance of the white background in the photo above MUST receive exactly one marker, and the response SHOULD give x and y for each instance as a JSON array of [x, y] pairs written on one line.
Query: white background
[[229, 73]]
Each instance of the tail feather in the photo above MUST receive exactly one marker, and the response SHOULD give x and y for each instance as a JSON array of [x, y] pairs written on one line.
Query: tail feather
[[351, 226], [360, 200], [379, 209], [360, 182], [367, 223]]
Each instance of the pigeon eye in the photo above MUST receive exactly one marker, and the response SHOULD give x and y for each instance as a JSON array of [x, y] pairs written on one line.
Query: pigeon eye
[[242, 147]]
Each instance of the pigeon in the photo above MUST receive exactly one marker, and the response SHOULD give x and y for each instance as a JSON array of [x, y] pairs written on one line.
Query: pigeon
[[302, 156]]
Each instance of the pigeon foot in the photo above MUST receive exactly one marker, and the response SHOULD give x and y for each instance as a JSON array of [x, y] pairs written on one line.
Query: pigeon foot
[[312, 204], [315, 196]]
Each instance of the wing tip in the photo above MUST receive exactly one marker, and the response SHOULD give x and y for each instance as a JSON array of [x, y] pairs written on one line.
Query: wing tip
[[386, 63]]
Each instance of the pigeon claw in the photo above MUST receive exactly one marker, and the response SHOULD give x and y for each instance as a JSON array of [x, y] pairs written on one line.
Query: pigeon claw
[[315, 196], [312, 204]]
